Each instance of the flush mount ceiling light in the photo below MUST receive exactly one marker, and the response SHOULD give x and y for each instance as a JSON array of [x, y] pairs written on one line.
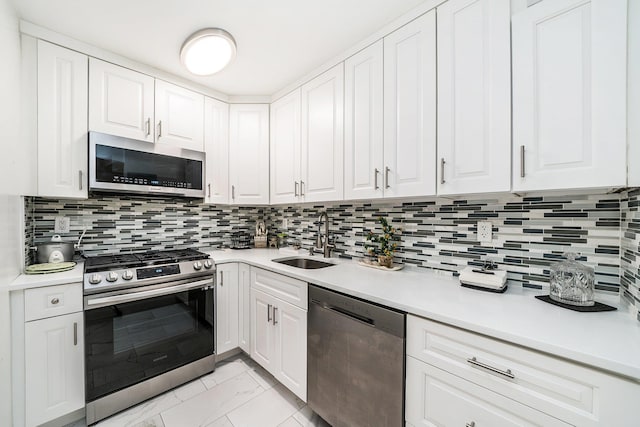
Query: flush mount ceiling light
[[208, 51]]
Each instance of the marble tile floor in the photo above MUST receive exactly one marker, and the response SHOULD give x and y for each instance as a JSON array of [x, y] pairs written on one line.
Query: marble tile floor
[[239, 393]]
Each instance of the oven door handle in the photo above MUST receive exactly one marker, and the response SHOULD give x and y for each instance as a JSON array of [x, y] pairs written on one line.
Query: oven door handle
[[135, 296]]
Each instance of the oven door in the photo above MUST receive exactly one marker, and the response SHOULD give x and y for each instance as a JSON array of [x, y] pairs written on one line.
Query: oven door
[[140, 333]]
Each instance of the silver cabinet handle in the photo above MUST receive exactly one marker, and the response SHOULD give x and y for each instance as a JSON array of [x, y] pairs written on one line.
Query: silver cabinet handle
[[209, 190], [80, 179], [148, 126], [159, 128], [55, 301], [268, 313], [233, 192], [75, 333], [386, 177], [295, 189], [442, 162], [375, 178], [473, 361], [522, 161], [222, 278], [301, 188], [471, 424], [274, 315]]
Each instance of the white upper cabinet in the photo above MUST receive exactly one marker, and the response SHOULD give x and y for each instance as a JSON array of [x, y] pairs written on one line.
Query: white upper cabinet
[[285, 149], [474, 97], [569, 95], [62, 122], [249, 154], [179, 116], [322, 137], [410, 108], [363, 122], [121, 101], [216, 147]]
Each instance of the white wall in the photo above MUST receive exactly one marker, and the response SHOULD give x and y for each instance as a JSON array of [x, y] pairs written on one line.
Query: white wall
[[10, 177], [633, 93]]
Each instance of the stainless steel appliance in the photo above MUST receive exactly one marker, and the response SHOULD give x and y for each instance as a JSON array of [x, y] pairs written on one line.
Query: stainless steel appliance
[[355, 361], [124, 165], [149, 326]]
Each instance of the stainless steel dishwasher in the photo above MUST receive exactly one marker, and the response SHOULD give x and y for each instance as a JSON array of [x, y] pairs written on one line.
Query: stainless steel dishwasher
[[355, 361]]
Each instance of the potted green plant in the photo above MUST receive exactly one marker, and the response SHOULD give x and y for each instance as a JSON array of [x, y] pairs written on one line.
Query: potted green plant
[[383, 245]]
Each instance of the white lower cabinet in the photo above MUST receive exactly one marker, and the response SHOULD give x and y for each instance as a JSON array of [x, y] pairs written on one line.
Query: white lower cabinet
[[226, 307], [442, 399], [244, 307], [456, 377], [54, 358], [279, 329]]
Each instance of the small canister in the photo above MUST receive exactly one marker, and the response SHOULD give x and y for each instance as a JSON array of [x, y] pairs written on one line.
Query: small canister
[[572, 282]]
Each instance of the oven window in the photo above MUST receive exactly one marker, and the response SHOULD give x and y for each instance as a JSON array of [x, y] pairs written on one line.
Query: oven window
[[131, 342]]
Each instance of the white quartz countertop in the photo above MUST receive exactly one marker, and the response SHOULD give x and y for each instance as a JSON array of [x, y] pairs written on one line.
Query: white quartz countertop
[[26, 281], [606, 340]]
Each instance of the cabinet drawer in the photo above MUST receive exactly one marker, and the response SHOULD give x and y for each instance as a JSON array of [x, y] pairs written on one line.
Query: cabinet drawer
[[436, 398], [565, 390], [287, 289], [52, 301]]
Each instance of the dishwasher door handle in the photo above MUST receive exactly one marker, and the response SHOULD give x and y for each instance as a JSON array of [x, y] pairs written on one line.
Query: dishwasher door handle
[[344, 312]]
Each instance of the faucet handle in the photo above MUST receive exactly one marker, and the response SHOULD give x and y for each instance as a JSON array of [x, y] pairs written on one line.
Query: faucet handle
[[311, 250]]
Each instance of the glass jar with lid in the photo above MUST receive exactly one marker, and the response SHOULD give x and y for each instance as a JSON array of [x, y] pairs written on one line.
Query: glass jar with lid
[[572, 282]]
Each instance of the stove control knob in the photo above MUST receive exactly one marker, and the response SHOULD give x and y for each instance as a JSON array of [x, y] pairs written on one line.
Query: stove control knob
[[197, 265], [94, 279], [112, 276], [127, 275], [207, 264]]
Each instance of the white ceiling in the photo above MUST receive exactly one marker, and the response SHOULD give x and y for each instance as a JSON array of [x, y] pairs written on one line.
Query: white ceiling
[[278, 41]]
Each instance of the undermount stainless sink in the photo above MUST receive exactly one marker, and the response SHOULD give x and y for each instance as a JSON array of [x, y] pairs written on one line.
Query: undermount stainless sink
[[306, 263]]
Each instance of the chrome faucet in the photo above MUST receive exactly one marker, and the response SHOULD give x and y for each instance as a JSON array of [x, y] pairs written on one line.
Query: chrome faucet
[[323, 243]]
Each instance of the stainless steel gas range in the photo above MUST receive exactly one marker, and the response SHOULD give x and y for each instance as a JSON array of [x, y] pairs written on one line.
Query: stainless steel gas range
[[149, 326]]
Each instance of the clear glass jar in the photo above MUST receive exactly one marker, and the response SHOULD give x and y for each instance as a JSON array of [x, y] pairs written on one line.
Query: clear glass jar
[[572, 282]]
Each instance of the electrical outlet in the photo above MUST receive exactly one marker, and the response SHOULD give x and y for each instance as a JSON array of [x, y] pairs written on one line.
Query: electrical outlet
[[61, 225], [485, 231], [285, 223]]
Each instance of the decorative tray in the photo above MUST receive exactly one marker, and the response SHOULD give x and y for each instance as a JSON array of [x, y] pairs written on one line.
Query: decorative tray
[[373, 264], [50, 267]]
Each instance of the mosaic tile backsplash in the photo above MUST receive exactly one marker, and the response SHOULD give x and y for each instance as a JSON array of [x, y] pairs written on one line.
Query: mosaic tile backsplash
[[528, 233], [630, 256]]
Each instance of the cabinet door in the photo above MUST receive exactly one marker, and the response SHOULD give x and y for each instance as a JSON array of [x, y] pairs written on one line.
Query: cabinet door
[[120, 101], [54, 367], [216, 147], [291, 342], [249, 153], [244, 307], [226, 307], [322, 137], [179, 116], [363, 144], [474, 97], [569, 95], [437, 398], [263, 346], [285, 149], [410, 108], [62, 122]]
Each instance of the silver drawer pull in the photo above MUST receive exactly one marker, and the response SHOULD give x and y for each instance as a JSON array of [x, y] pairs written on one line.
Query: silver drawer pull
[[522, 161], [274, 315], [295, 189], [222, 278], [75, 333], [55, 301], [268, 313], [386, 177], [442, 162], [507, 373], [471, 424], [375, 178], [148, 132], [159, 128]]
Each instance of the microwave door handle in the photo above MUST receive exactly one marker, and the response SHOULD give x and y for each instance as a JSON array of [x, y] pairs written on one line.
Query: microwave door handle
[[134, 296]]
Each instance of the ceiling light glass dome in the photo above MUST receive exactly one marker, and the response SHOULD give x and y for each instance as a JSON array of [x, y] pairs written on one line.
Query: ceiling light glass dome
[[208, 51]]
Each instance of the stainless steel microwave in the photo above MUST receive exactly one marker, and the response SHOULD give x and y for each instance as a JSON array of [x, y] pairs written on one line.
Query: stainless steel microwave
[[123, 165]]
